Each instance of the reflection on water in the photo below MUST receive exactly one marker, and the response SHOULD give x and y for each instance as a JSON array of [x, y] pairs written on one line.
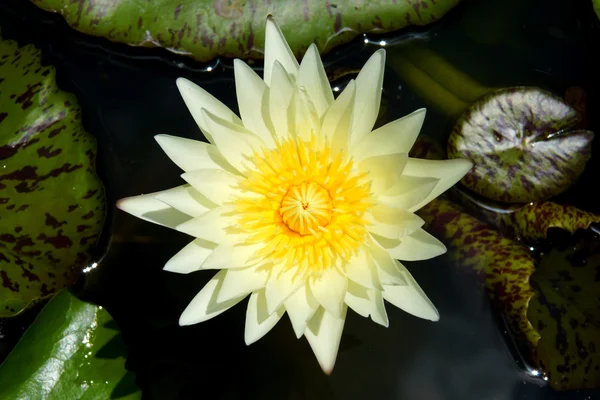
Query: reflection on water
[[129, 95]]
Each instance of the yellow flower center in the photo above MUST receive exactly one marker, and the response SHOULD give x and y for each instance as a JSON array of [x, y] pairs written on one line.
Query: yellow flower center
[[305, 204], [306, 207]]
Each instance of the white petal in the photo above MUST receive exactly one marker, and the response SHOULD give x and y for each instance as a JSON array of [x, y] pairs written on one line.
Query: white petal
[[212, 225], [282, 284], [187, 200], [258, 321], [253, 101], [197, 99], [378, 313], [306, 118], [329, 289], [337, 120], [357, 298], [324, 332], [190, 154], [393, 223], [369, 83], [217, 185], [231, 255], [411, 299], [301, 306], [204, 306], [149, 209], [419, 245], [277, 49], [233, 141], [367, 302], [384, 171], [388, 269], [191, 257], [241, 281], [395, 137], [280, 97], [312, 76], [407, 192], [362, 270], [447, 171]]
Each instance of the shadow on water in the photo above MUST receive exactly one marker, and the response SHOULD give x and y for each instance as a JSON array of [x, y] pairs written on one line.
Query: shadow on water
[[129, 95]]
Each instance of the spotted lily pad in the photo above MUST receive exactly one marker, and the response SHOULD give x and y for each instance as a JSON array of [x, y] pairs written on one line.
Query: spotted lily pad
[[529, 222], [204, 29], [73, 350], [553, 308], [522, 145], [51, 200]]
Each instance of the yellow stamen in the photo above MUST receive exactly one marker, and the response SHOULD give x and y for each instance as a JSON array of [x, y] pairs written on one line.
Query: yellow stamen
[[309, 212]]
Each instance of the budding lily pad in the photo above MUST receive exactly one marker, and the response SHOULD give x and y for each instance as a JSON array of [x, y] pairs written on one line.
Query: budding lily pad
[[522, 145], [552, 307], [51, 201], [204, 29], [73, 350]]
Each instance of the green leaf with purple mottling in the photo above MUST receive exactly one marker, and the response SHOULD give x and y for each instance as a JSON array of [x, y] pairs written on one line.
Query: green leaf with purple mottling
[[529, 222], [521, 144], [52, 203], [553, 306], [205, 29]]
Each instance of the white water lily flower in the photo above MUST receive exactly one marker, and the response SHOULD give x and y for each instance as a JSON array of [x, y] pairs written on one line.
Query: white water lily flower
[[299, 204]]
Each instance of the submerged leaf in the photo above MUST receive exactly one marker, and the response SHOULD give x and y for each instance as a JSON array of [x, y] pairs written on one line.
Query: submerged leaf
[[566, 313], [205, 29], [529, 222], [51, 200], [553, 308], [71, 351], [501, 263], [520, 143]]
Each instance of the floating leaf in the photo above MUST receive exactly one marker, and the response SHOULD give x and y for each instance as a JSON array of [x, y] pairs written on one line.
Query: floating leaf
[[596, 7], [73, 350], [529, 222], [554, 310], [520, 142], [566, 313], [51, 201], [205, 29]]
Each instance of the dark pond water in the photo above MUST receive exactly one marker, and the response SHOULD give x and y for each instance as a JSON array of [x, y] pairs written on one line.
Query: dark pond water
[[129, 95]]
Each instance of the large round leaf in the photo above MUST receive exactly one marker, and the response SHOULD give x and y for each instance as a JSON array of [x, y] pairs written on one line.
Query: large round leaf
[[51, 201], [205, 29], [521, 144]]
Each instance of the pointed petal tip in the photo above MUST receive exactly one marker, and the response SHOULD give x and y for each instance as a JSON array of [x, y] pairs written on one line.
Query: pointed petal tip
[[184, 84], [185, 319]]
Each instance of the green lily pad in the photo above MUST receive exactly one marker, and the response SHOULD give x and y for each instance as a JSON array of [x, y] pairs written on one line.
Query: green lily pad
[[521, 144], [73, 350], [529, 222], [51, 201], [204, 29], [596, 7], [552, 308]]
